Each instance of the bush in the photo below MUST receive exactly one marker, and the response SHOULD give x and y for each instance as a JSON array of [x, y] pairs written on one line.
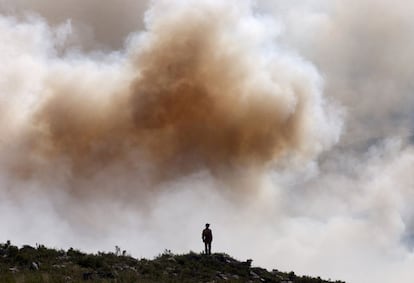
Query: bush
[[22, 259], [91, 261], [12, 251]]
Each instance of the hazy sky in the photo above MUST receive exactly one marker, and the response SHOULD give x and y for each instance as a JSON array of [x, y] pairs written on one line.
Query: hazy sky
[[287, 125]]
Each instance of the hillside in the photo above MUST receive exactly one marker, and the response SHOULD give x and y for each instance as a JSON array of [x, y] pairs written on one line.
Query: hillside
[[28, 264]]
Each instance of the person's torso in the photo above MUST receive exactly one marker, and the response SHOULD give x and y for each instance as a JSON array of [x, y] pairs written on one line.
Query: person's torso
[[207, 234]]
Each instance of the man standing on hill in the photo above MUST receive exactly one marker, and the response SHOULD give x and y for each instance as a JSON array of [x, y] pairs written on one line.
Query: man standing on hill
[[207, 237]]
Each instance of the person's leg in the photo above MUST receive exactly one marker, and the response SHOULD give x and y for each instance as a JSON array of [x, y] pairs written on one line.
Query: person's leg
[[209, 248], [206, 247]]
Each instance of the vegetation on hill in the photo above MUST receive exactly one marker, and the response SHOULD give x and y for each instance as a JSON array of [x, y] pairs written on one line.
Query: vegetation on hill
[[34, 265]]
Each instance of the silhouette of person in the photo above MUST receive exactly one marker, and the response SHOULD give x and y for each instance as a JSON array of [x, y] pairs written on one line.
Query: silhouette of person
[[207, 237]]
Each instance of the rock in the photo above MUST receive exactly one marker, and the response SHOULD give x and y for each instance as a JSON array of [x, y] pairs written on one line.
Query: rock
[[223, 276], [256, 276], [34, 266]]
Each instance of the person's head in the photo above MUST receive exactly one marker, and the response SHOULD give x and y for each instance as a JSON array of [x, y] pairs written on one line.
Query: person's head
[[207, 225]]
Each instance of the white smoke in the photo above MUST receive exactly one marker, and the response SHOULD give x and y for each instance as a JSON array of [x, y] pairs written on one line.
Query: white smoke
[[342, 213]]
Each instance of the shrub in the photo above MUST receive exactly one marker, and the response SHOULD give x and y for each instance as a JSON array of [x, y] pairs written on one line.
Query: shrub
[[12, 251], [91, 261]]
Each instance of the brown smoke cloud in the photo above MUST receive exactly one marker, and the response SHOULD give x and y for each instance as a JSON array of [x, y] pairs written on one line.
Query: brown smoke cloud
[[200, 89]]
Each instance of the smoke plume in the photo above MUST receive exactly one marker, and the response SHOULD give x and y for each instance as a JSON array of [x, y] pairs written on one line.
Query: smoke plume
[[133, 123], [201, 88]]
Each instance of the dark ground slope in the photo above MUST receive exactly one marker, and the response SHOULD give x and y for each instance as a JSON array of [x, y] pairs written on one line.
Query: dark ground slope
[[41, 264]]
